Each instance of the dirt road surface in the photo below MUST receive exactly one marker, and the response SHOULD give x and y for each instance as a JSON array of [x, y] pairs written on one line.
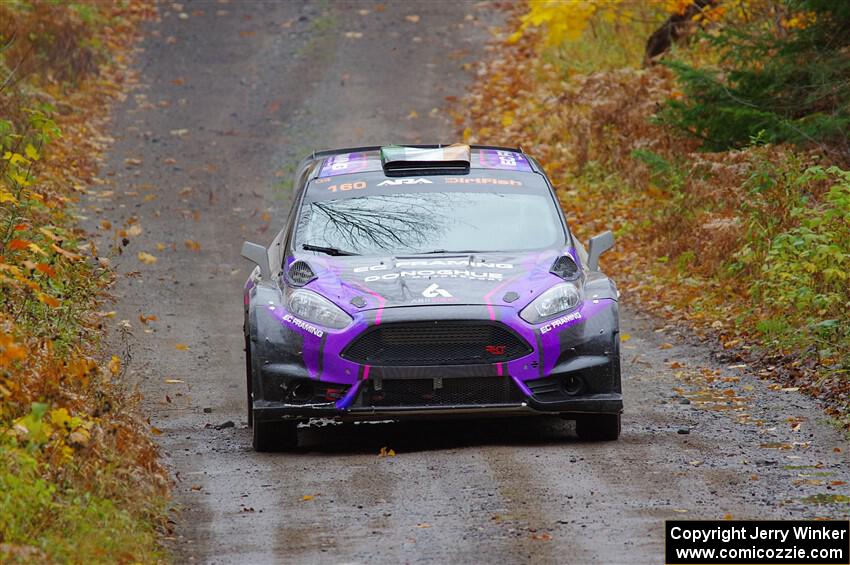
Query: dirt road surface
[[230, 96]]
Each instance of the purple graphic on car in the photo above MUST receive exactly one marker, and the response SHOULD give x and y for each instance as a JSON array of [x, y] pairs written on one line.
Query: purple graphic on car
[[347, 163], [506, 160]]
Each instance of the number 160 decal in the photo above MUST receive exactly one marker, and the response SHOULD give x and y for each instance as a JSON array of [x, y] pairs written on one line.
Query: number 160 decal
[[357, 185]]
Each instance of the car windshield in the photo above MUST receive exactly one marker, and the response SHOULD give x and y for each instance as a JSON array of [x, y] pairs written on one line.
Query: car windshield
[[431, 220]]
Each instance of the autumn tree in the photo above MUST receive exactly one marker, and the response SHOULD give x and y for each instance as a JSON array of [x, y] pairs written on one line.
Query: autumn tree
[[783, 75]]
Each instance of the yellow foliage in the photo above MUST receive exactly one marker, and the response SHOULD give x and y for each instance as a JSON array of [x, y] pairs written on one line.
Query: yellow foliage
[[567, 20], [677, 6], [31, 152], [7, 197], [563, 20]]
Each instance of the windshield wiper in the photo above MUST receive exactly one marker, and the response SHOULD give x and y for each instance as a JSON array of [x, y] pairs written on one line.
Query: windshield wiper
[[447, 251], [326, 250]]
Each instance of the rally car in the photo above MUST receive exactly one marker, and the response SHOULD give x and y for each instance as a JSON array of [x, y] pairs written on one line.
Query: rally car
[[422, 281]]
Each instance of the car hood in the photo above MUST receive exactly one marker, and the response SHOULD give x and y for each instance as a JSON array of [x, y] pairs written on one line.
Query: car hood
[[364, 283]]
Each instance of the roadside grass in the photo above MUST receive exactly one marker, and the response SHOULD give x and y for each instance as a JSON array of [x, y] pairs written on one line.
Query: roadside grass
[[80, 478], [749, 247]]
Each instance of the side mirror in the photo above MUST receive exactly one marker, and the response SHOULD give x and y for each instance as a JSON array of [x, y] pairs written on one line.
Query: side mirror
[[259, 255], [598, 245]]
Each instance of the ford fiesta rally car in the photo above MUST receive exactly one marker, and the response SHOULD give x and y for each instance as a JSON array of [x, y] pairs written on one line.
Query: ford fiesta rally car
[[427, 281]]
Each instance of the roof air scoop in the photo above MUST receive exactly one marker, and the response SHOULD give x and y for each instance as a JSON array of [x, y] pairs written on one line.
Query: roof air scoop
[[399, 160]]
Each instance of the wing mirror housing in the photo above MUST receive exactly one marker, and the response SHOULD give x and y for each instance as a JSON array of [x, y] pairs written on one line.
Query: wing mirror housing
[[259, 255], [598, 245]]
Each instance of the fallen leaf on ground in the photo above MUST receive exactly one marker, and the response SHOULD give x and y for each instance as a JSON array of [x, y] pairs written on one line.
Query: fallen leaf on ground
[[49, 300], [181, 347], [115, 365], [412, 18], [45, 269], [65, 253], [146, 258]]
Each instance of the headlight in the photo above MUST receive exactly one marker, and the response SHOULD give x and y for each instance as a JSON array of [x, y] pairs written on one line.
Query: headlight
[[559, 298], [317, 309]]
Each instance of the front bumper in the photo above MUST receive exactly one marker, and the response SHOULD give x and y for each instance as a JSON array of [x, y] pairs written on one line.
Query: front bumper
[[606, 403], [299, 376]]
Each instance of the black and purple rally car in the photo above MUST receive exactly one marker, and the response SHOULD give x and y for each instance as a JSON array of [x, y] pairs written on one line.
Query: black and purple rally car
[[422, 281]]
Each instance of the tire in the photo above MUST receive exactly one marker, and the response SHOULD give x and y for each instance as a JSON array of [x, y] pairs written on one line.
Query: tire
[[275, 436], [249, 381], [598, 427]]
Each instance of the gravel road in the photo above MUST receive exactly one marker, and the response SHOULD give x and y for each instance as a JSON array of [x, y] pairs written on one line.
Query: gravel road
[[230, 95]]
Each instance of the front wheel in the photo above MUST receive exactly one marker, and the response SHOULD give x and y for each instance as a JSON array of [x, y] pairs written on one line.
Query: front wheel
[[279, 435], [598, 427]]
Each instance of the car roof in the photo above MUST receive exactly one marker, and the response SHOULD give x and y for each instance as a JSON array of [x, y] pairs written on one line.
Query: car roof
[[338, 162]]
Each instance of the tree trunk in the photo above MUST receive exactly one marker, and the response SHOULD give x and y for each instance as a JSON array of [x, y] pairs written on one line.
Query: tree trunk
[[671, 30]]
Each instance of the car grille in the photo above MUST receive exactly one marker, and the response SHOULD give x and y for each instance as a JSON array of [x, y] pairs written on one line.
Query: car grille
[[454, 392], [447, 342]]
